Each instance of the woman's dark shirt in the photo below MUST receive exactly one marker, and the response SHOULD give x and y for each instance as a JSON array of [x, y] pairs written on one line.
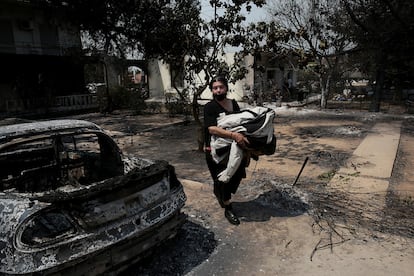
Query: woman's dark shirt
[[212, 111]]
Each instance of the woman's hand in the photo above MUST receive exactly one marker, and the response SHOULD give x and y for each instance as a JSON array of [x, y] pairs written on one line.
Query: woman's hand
[[240, 139], [236, 136]]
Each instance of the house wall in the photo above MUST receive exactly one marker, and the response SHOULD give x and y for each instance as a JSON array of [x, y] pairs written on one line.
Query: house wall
[[277, 80], [32, 34], [159, 79], [241, 88], [267, 83], [35, 53]]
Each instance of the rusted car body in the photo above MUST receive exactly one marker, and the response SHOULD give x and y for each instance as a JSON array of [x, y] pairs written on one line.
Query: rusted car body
[[71, 203]]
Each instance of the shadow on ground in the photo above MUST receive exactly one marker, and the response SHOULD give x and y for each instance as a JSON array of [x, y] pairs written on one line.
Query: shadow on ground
[[192, 245], [266, 196]]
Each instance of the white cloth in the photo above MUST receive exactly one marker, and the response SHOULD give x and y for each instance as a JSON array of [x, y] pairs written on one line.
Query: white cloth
[[237, 122]]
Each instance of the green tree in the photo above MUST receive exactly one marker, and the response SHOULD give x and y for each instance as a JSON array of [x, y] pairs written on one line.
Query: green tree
[[120, 27], [302, 32], [383, 31], [199, 51], [170, 30]]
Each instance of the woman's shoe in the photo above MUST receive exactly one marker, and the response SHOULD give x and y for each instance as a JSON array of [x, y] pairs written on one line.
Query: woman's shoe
[[231, 217]]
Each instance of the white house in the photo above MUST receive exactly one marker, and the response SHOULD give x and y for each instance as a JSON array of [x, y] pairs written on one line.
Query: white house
[[267, 84], [160, 81]]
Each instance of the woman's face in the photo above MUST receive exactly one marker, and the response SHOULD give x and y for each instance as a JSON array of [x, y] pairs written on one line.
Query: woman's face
[[219, 90]]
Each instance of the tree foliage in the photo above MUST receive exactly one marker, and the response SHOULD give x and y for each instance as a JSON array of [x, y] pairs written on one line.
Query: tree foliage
[[171, 30], [200, 53], [303, 32], [167, 29], [377, 35], [383, 31], [149, 27]]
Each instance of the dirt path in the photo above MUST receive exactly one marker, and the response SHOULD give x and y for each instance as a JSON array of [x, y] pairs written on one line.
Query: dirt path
[[311, 229]]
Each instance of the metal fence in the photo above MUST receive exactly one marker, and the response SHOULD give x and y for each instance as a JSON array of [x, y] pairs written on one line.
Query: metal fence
[[54, 104]]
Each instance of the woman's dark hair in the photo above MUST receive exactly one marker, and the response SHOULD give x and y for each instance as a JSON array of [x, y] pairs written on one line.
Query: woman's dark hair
[[219, 78]]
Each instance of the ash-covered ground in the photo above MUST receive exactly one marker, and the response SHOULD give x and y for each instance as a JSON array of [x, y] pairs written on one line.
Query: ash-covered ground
[[326, 138], [195, 242], [192, 245], [338, 214]]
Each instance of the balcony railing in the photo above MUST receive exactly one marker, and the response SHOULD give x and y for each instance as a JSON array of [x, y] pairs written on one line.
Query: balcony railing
[[55, 104]]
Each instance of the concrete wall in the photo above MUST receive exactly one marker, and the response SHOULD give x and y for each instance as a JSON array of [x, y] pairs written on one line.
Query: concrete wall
[[159, 79]]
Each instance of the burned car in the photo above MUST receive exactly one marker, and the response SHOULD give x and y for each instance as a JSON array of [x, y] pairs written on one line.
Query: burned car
[[72, 203]]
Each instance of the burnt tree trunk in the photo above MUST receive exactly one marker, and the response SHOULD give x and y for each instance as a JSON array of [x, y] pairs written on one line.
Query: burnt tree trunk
[[376, 101]]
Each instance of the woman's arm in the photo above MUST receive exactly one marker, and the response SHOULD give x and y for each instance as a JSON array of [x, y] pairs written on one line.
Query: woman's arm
[[236, 136]]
